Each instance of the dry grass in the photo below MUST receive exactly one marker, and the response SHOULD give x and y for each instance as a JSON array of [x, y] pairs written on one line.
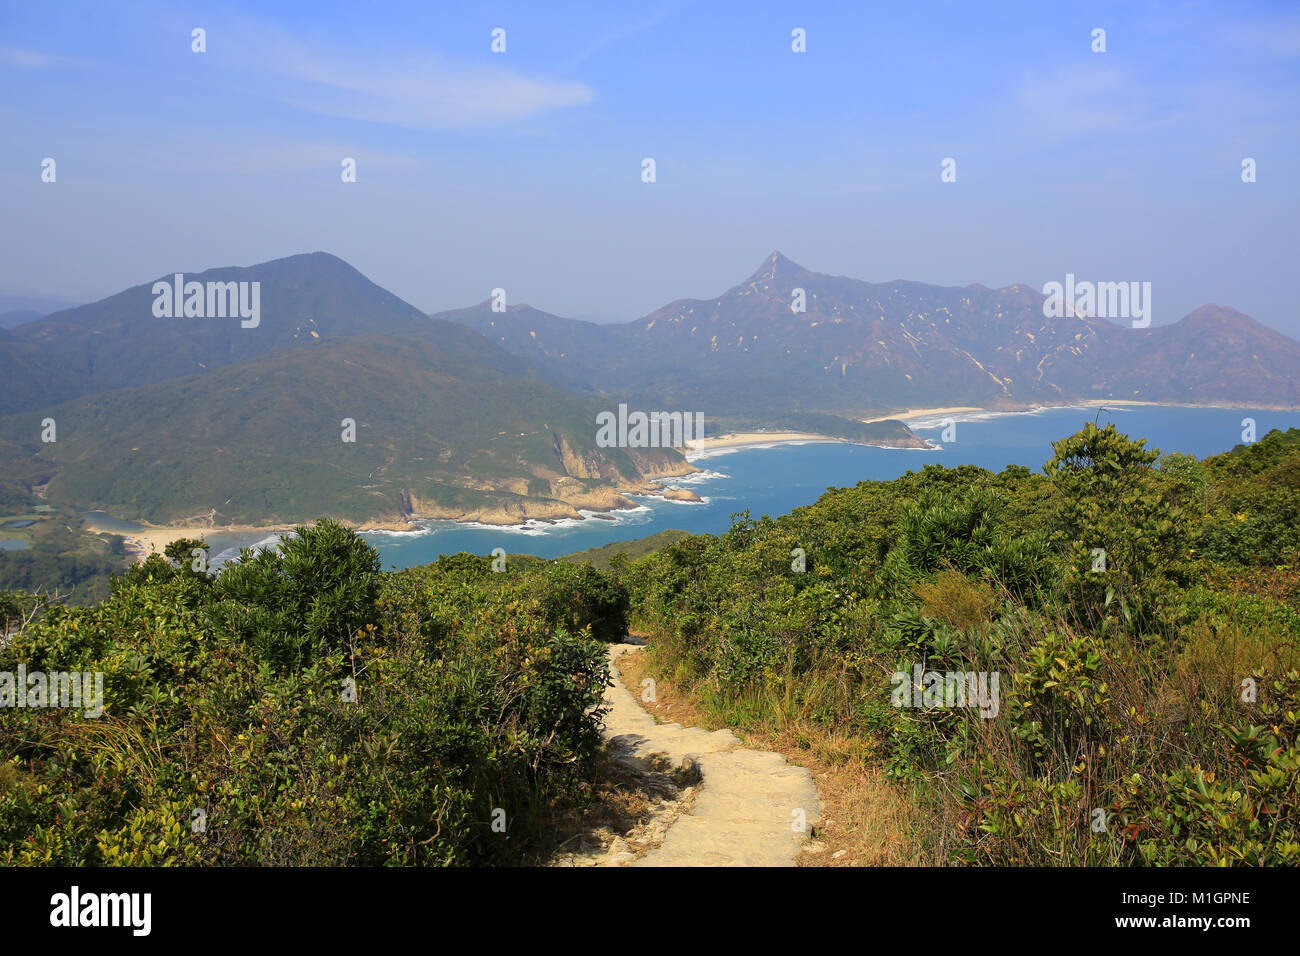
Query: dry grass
[[957, 601], [866, 820], [670, 705]]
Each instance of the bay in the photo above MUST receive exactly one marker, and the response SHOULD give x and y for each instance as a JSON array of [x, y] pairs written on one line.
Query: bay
[[775, 479]]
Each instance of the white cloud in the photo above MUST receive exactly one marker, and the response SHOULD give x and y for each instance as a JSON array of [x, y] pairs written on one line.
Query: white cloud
[[420, 92], [29, 59], [619, 34], [1082, 100]]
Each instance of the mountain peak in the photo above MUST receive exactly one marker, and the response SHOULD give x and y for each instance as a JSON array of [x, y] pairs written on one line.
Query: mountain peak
[[776, 267]]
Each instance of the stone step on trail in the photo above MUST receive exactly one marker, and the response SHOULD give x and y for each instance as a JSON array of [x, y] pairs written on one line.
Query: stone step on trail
[[745, 813]]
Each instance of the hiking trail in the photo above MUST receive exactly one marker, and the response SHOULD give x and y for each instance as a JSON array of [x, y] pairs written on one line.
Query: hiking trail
[[749, 807]]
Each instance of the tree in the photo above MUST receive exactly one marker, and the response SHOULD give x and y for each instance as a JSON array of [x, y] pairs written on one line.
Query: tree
[[1119, 526]]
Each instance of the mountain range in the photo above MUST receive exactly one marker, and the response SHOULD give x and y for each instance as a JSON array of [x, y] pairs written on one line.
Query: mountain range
[[490, 415], [863, 348]]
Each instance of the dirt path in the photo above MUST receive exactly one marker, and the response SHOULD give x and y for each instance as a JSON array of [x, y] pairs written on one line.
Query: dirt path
[[750, 808]]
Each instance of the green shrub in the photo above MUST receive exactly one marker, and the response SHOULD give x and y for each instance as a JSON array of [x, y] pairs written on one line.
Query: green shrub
[[310, 711], [305, 600]]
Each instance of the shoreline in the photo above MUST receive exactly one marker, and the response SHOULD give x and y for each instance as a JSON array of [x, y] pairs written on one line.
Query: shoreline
[[914, 414], [739, 439], [703, 447], [150, 539], [146, 540]]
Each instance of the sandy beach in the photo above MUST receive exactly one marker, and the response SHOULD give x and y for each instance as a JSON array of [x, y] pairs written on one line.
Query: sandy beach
[[142, 542], [752, 438], [911, 414], [923, 413]]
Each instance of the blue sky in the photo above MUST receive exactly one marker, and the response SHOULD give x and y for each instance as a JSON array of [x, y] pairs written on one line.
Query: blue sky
[[523, 169]]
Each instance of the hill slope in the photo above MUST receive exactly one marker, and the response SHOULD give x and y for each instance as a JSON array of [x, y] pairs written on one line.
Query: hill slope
[[861, 347], [447, 425], [118, 342]]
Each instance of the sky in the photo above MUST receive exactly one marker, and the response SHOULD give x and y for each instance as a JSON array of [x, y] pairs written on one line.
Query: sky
[[523, 169]]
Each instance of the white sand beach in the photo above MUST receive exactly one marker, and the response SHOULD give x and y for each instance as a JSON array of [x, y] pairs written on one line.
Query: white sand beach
[[142, 542], [753, 438]]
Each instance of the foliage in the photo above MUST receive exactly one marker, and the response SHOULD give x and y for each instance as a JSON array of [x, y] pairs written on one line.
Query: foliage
[[1122, 736], [304, 708]]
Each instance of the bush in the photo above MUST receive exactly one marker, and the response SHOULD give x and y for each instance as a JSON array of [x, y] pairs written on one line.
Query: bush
[[1121, 527], [576, 597], [1122, 737], [309, 710], [306, 600]]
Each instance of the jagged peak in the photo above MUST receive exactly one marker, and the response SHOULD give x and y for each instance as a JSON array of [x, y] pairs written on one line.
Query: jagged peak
[[776, 267]]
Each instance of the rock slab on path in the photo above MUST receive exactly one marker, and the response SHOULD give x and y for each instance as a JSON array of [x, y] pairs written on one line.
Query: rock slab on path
[[753, 808]]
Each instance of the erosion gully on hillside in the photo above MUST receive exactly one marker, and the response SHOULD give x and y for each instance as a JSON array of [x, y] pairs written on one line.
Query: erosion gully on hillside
[[737, 807]]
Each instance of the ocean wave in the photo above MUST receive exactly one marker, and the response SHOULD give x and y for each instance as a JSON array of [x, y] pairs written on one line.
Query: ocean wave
[[535, 527], [691, 479], [416, 532], [232, 552]]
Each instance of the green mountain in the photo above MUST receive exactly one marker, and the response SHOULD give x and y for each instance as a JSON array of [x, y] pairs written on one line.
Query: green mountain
[[119, 342], [29, 372], [603, 556], [166, 419]]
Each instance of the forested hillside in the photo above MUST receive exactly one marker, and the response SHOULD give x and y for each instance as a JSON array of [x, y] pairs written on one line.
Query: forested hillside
[[341, 400], [443, 424]]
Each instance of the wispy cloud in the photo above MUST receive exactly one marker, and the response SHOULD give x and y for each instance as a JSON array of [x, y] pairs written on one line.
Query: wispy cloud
[[415, 90], [625, 32], [1082, 101], [30, 59]]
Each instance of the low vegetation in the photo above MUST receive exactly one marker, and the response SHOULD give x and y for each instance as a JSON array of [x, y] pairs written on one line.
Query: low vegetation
[[61, 559], [305, 708], [620, 552], [1138, 611], [1128, 620]]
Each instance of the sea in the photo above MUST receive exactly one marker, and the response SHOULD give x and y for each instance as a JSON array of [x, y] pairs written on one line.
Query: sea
[[773, 479]]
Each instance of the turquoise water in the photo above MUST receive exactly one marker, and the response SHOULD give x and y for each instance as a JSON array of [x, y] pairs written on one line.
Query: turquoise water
[[778, 478]]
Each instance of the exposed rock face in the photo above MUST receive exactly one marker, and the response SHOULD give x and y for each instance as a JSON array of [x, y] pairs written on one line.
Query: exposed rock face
[[507, 512], [912, 441], [660, 465], [591, 499], [582, 463], [681, 494]]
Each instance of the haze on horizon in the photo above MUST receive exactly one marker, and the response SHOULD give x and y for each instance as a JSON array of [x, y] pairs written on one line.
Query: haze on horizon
[[523, 169]]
